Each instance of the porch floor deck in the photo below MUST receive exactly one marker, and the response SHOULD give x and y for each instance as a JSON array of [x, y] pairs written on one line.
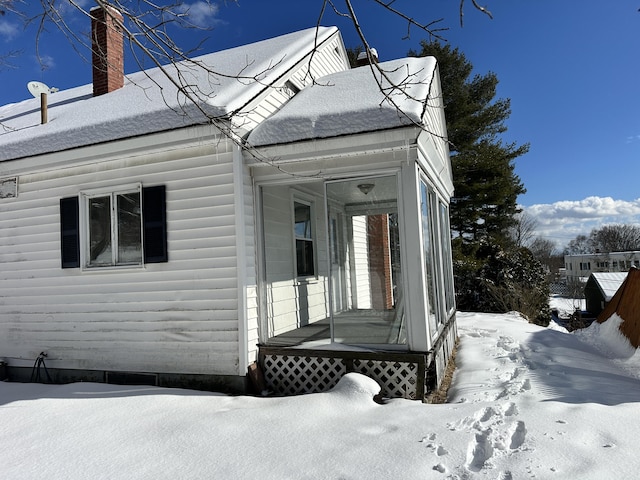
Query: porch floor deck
[[357, 327]]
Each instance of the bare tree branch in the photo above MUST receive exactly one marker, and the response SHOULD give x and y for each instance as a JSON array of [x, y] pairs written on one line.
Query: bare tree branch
[[428, 27], [477, 6], [146, 26]]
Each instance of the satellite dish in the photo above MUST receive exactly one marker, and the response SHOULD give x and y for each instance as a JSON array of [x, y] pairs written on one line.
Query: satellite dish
[[36, 88]]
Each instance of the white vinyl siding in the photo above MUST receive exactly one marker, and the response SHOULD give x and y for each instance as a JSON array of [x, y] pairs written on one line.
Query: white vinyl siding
[[325, 60], [174, 317], [360, 259], [291, 302], [433, 148]]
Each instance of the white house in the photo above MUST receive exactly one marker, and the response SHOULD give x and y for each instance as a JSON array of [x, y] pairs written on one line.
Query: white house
[[302, 234], [580, 266]]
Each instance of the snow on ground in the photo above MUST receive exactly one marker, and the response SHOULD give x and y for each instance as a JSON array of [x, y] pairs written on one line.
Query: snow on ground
[[526, 402], [566, 306]]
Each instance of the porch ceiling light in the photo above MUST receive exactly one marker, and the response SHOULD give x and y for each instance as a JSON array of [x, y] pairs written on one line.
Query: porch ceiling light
[[366, 187]]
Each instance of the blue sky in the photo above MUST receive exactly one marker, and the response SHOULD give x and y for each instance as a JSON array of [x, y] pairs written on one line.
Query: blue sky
[[571, 70]]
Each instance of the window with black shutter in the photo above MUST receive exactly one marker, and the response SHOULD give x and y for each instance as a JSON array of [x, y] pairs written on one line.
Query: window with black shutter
[[70, 232], [155, 224], [125, 227]]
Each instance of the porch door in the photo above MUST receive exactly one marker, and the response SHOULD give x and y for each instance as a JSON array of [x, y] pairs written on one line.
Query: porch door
[[366, 277]]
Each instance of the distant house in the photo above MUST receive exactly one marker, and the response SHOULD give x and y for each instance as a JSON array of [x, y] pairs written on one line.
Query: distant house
[[626, 304], [600, 289], [305, 232], [578, 267]]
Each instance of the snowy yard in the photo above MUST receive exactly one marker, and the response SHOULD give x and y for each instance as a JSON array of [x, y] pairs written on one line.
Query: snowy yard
[[526, 402]]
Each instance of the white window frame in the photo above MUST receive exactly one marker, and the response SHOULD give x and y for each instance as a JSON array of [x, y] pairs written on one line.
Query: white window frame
[[302, 199], [113, 192]]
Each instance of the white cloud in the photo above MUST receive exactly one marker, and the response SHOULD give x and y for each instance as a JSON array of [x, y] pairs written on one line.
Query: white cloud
[[45, 62], [563, 221], [201, 13], [8, 30], [66, 7]]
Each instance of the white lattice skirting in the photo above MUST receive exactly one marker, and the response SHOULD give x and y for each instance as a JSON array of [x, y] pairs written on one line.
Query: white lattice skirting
[[293, 371]]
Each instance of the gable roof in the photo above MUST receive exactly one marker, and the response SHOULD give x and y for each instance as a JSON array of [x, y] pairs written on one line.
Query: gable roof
[[353, 102], [626, 304], [149, 102], [608, 282]]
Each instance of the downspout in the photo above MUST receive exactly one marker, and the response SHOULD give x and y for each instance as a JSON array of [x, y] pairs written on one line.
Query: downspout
[[241, 262]]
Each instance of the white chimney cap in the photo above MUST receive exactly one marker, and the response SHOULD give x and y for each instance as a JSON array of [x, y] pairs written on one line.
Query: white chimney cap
[[363, 55]]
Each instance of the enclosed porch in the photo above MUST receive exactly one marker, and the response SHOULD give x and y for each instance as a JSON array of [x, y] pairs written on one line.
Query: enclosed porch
[[338, 256]]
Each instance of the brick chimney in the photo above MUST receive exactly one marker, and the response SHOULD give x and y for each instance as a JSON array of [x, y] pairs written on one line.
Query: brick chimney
[[107, 47]]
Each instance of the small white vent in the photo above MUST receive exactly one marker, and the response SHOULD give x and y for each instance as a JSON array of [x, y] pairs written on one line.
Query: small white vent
[[290, 88]]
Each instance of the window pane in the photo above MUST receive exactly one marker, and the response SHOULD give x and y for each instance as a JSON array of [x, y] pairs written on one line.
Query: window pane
[[428, 257], [100, 231], [304, 240], [302, 220], [445, 238], [304, 257], [129, 236]]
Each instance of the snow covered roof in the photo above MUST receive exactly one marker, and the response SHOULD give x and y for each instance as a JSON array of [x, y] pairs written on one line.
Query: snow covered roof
[[149, 102], [609, 282], [352, 102]]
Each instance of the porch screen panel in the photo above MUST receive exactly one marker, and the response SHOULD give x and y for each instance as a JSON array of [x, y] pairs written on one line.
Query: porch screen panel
[[365, 267], [429, 257], [447, 267], [294, 285]]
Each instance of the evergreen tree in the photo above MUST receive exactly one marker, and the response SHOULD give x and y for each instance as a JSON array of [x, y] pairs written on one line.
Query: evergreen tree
[[352, 55], [492, 272], [486, 186]]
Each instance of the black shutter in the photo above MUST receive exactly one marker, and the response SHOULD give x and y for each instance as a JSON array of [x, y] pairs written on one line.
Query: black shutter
[[70, 232], [155, 224]]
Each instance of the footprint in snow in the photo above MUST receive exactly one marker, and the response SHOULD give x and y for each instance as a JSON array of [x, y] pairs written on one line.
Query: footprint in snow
[[510, 409], [485, 414], [440, 468], [508, 344], [440, 451], [518, 435], [508, 376], [472, 421], [480, 333], [480, 450]]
